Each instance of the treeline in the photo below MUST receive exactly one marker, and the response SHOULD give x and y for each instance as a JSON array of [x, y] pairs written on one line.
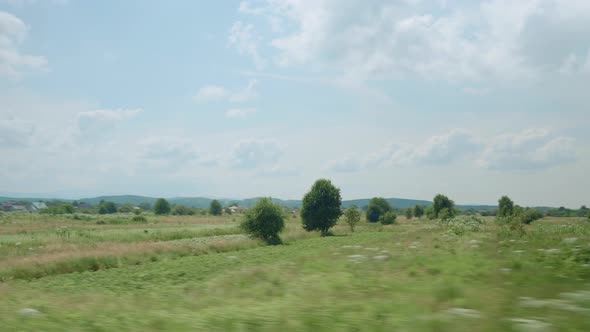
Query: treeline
[[160, 207]]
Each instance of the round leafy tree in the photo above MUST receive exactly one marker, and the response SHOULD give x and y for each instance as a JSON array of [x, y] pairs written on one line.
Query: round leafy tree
[[321, 207], [377, 207], [215, 208], [161, 206], [443, 202], [505, 207], [264, 221]]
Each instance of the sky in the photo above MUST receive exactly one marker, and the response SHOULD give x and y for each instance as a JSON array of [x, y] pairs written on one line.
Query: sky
[[402, 98]]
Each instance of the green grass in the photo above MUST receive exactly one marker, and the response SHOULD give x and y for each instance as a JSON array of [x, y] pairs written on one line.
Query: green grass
[[415, 276]]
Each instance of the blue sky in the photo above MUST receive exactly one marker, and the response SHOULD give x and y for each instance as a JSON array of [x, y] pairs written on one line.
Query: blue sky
[[407, 98]]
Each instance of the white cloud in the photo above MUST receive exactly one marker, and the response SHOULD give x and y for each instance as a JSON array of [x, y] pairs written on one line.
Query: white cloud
[[246, 94], [211, 93], [255, 153], [346, 165], [246, 41], [110, 115], [279, 171], [167, 152], [13, 63], [15, 133], [495, 39], [530, 149], [241, 113], [22, 3]]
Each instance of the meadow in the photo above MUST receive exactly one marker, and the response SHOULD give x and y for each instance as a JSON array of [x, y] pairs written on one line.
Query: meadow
[[187, 273]]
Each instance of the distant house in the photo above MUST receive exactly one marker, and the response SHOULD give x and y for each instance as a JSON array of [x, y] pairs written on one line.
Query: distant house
[[13, 206], [36, 206], [236, 209]]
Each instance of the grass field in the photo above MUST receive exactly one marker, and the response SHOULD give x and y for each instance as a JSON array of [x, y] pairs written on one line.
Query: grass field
[[201, 273]]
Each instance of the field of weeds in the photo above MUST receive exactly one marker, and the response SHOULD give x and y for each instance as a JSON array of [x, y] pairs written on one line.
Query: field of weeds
[[202, 273]]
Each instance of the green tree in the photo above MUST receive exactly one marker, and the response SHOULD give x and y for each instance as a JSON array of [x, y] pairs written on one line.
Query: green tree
[[418, 211], [264, 221], [443, 202], [106, 207], [320, 209], [161, 207], [388, 218], [505, 207], [215, 208], [409, 213], [377, 207], [352, 216]]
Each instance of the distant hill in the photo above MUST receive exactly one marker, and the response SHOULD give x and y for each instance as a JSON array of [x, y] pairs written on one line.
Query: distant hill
[[119, 199], [204, 202], [29, 199]]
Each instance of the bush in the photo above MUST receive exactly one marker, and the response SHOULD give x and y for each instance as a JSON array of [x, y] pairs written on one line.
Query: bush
[[530, 215], [352, 216], [377, 207], [181, 210], [418, 211], [107, 208], [430, 213], [139, 218], [388, 218], [61, 208], [264, 221], [409, 213], [446, 214], [127, 208], [462, 225], [320, 208], [510, 226]]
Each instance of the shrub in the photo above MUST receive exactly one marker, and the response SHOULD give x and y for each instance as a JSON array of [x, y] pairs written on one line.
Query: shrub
[[181, 210], [107, 207], [264, 221], [530, 215], [139, 218], [510, 226], [377, 207], [409, 213], [445, 214], [388, 218], [352, 216], [320, 209], [462, 225], [418, 211], [430, 213], [161, 207]]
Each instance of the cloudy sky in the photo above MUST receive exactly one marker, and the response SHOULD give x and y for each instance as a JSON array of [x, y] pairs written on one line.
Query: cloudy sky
[[406, 98]]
